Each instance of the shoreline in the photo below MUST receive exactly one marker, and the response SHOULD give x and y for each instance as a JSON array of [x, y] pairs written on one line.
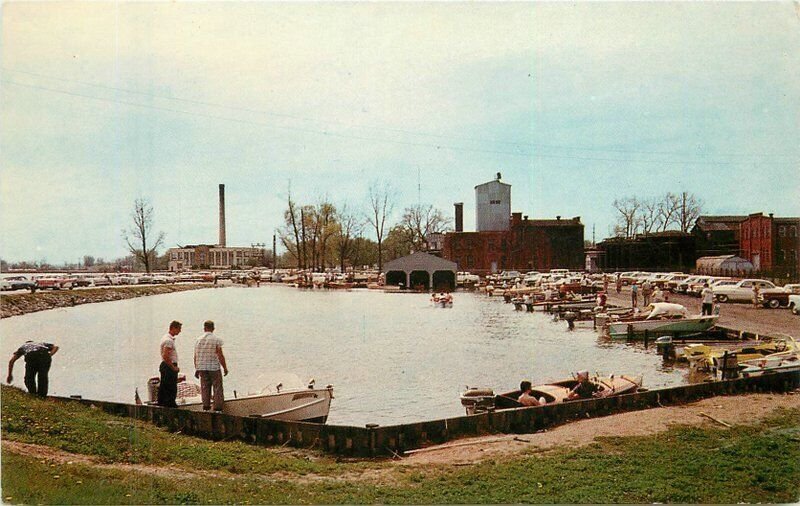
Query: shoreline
[[23, 303]]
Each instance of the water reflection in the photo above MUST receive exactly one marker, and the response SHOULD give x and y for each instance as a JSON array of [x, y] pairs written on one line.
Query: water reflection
[[392, 358]]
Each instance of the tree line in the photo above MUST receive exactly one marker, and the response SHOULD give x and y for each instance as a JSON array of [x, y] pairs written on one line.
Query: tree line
[[671, 211]]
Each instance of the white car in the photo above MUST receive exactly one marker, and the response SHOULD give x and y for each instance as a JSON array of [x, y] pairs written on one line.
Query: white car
[[794, 303], [741, 291]]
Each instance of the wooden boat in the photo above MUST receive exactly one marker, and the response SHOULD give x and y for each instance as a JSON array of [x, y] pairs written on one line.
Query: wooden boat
[[442, 300], [783, 361], [480, 400], [292, 404], [664, 318]]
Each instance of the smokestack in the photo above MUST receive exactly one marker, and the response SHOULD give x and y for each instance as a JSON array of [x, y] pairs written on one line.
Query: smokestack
[[459, 216], [222, 215]]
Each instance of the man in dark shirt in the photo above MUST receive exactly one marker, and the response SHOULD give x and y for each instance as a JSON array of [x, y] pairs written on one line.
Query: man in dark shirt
[[585, 389], [38, 357]]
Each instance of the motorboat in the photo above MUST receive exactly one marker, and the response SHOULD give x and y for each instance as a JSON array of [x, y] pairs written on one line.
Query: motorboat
[[663, 318], [442, 300], [298, 404], [480, 400], [783, 361], [704, 357]]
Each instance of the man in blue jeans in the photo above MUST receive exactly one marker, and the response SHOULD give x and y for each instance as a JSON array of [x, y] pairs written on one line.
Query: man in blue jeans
[[38, 357]]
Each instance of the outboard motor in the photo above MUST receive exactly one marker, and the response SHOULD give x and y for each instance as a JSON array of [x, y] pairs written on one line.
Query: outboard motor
[[478, 400], [152, 390], [666, 347]]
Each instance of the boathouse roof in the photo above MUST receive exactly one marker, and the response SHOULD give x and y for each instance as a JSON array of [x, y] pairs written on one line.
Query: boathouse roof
[[420, 262]]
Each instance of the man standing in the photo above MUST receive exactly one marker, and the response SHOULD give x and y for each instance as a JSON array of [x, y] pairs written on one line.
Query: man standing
[[208, 358], [647, 289], [708, 300], [168, 387], [38, 357], [634, 295]]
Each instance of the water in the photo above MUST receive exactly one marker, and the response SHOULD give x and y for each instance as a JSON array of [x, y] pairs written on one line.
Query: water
[[392, 358]]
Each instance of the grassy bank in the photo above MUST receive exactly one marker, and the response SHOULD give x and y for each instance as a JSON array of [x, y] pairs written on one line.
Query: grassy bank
[[122, 461], [21, 303]]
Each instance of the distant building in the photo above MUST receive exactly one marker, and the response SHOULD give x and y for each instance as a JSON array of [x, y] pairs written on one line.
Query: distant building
[[771, 244], [507, 241], [665, 251], [206, 256], [717, 235], [492, 206]]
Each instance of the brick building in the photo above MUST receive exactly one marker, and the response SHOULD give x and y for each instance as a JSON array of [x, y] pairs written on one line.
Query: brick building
[[771, 244], [717, 235], [665, 251], [207, 256]]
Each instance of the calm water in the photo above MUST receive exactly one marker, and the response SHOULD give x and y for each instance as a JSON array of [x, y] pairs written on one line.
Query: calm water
[[392, 358]]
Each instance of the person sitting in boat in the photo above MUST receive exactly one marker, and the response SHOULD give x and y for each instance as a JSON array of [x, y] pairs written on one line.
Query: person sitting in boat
[[601, 300], [448, 298], [585, 389], [526, 398]]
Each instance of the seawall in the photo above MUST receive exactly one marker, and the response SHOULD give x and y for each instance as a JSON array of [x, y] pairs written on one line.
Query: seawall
[[22, 303], [374, 440]]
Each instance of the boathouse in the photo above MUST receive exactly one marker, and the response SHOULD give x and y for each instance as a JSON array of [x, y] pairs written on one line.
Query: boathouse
[[421, 270]]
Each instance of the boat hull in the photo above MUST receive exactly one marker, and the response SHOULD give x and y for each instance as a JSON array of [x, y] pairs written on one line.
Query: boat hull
[[622, 330], [302, 405]]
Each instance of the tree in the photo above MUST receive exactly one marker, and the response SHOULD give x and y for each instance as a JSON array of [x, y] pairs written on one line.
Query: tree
[[348, 227], [689, 210], [140, 234], [88, 261], [628, 209], [648, 218], [379, 209], [418, 222], [667, 210]]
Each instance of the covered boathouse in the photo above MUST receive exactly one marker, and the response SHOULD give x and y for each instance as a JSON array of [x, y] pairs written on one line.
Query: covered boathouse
[[421, 271]]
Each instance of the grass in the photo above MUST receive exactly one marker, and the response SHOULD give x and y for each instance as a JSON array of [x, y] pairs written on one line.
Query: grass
[[759, 463]]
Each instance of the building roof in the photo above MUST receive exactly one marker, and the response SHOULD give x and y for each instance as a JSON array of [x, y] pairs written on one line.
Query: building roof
[[719, 223], [790, 221], [552, 223], [420, 262], [494, 181]]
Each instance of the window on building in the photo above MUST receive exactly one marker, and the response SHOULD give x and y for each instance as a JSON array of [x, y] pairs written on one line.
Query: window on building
[[783, 255], [782, 231], [793, 231], [174, 255], [755, 234], [494, 201], [766, 231]]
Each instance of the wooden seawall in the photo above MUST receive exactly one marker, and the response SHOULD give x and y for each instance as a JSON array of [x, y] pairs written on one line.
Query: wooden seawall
[[374, 440]]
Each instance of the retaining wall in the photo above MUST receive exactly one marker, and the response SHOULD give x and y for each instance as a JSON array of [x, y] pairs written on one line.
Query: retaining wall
[[374, 440]]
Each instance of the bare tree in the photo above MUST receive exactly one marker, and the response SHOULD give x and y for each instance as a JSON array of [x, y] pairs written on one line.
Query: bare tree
[[418, 222], [348, 227], [689, 210], [379, 209], [668, 210], [628, 208], [649, 217], [291, 230], [140, 234]]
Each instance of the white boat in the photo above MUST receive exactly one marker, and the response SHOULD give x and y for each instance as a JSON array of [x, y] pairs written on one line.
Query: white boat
[[784, 361], [664, 318], [308, 404]]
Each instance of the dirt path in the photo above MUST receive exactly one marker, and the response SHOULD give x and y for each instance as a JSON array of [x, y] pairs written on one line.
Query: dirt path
[[744, 409], [741, 409]]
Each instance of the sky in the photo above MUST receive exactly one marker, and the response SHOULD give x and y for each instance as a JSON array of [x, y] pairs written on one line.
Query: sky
[[576, 104]]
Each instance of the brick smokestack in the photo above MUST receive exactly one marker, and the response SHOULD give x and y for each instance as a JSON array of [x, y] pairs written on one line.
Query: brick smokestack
[[459, 216], [222, 215]]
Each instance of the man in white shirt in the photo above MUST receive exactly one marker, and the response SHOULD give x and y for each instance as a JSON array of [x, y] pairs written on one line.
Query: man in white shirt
[[526, 398], [708, 299], [168, 387], [208, 358]]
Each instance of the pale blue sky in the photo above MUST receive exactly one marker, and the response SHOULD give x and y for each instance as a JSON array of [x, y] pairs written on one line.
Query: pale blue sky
[[576, 104]]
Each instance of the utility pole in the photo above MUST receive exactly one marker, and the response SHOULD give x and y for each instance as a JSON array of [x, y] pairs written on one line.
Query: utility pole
[[273, 253], [593, 243]]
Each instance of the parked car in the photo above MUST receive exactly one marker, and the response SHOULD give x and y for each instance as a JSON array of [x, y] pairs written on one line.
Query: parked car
[[778, 297], [20, 283], [742, 291], [54, 283], [674, 281], [794, 304]]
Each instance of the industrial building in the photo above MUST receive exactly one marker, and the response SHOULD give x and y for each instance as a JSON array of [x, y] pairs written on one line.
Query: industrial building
[[214, 256], [508, 241]]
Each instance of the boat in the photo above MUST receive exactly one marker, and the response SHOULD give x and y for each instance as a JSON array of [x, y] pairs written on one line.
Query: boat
[[663, 318], [481, 400], [704, 357], [783, 361], [300, 404], [442, 300]]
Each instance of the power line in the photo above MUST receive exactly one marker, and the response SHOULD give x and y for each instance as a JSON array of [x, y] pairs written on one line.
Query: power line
[[389, 129], [326, 133]]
